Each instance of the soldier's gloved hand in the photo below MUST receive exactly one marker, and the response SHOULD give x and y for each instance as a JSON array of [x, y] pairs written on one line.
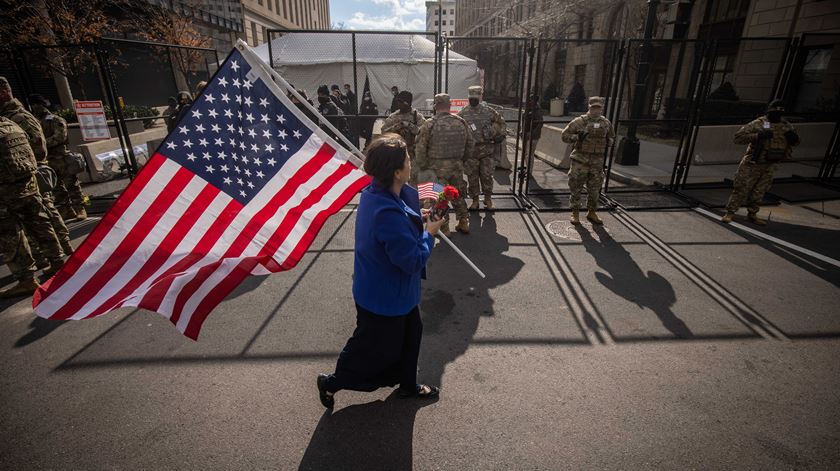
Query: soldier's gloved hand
[[791, 137], [582, 136], [765, 134]]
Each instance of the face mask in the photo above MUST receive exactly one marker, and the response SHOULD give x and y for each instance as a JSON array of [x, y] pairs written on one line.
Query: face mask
[[595, 111], [474, 101], [323, 100], [774, 116], [367, 98]]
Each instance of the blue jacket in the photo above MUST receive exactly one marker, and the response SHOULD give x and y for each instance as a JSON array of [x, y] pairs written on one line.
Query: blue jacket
[[391, 251]]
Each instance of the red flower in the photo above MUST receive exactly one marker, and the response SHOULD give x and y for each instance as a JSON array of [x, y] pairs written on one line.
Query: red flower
[[450, 193]]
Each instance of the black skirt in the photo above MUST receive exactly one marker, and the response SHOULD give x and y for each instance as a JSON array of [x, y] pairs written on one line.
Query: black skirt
[[381, 353]]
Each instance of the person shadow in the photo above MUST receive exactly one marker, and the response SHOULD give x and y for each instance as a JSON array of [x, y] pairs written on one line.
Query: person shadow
[[379, 434], [625, 278], [372, 436], [455, 298]]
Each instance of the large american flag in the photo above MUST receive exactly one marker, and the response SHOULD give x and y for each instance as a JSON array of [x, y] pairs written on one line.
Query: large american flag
[[241, 186]]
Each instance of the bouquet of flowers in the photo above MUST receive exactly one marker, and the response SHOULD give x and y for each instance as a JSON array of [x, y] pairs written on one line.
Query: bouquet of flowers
[[440, 195]]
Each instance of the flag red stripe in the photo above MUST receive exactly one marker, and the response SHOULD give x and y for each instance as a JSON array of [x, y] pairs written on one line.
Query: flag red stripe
[[321, 158], [318, 222], [101, 230], [128, 245], [164, 249], [233, 279], [160, 286]]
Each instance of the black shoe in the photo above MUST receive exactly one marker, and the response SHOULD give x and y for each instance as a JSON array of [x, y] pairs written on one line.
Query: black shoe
[[326, 399]]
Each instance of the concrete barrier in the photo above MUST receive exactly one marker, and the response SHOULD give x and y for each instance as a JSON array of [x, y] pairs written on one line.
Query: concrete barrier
[[715, 146], [103, 169], [551, 147]]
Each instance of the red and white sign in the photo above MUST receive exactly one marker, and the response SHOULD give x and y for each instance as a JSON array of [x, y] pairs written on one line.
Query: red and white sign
[[92, 121], [458, 104]]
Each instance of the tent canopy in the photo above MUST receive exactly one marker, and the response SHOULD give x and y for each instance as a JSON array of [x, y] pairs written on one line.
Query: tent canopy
[[406, 61]]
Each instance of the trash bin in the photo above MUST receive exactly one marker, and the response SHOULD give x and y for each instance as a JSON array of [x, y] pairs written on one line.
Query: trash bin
[[556, 107]]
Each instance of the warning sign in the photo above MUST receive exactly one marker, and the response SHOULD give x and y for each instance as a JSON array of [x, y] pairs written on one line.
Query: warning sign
[[92, 121]]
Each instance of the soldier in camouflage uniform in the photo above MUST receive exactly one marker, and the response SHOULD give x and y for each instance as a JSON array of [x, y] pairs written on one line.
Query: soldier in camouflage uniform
[[13, 109], [21, 207], [406, 122], [592, 134], [488, 128], [68, 191], [770, 140], [443, 145]]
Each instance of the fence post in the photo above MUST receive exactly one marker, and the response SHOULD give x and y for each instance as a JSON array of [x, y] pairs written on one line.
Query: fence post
[[116, 109]]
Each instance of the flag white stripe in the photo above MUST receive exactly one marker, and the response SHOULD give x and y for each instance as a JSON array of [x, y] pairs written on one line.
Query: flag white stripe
[[184, 248], [117, 233], [253, 249], [234, 230], [146, 248]]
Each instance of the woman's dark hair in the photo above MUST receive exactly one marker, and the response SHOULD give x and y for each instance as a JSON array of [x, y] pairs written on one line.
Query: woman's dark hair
[[384, 156]]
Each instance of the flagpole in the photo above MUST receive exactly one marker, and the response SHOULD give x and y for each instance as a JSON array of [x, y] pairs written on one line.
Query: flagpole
[[458, 251]]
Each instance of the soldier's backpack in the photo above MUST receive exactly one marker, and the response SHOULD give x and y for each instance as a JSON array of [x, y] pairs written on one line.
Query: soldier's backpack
[[75, 163]]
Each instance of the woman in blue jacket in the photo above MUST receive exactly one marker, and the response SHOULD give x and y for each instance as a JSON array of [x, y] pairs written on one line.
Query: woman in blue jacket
[[390, 258]]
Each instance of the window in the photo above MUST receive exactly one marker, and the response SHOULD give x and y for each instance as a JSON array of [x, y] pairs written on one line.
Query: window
[[260, 2], [269, 5], [254, 34], [451, 12], [443, 23], [812, 95], [436, 22], [723, 67]]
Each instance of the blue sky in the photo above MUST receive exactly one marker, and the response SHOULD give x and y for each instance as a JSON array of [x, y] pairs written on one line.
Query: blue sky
[[379, 14]]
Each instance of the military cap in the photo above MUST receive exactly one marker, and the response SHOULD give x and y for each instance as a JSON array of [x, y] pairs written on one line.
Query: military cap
[[441, 99], [596, 101], [38, 99], [475, 91], [776, 104]]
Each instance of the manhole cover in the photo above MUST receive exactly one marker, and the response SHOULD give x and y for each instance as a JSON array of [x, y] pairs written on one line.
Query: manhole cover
[[564, 229]]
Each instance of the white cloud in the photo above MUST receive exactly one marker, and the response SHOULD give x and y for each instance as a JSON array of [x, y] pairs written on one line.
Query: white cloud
[[402, 15]]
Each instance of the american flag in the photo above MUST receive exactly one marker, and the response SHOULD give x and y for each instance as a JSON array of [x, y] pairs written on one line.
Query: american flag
[[241, 186], [429, 190]]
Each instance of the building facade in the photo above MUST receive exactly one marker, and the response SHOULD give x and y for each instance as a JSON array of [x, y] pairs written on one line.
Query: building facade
[[576, 56], [443, 22], [259, 16]]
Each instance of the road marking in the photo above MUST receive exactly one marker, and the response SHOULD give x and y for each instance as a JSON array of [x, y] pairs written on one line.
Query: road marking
[[770, 238]]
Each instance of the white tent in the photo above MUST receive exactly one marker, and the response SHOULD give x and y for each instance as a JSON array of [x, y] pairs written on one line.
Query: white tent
[[308, 60]]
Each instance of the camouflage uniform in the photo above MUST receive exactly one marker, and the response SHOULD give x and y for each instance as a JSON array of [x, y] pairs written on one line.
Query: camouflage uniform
[[587, 157], [443, 145], [406, 125], [755, 172], [14, 110], [21, 206], [487, 127], [68, 190]]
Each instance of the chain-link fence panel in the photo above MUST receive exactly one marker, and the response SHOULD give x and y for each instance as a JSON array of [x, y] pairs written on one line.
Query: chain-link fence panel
[[500, 66], [354, 78]]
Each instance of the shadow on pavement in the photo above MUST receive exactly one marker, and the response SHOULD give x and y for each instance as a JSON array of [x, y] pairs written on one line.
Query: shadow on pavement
[[40, 328], [454, 298], [625, 278], [819, 240], [372, 436]]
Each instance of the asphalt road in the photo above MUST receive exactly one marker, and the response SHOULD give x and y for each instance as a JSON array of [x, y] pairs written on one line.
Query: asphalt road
[[666, 340]]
